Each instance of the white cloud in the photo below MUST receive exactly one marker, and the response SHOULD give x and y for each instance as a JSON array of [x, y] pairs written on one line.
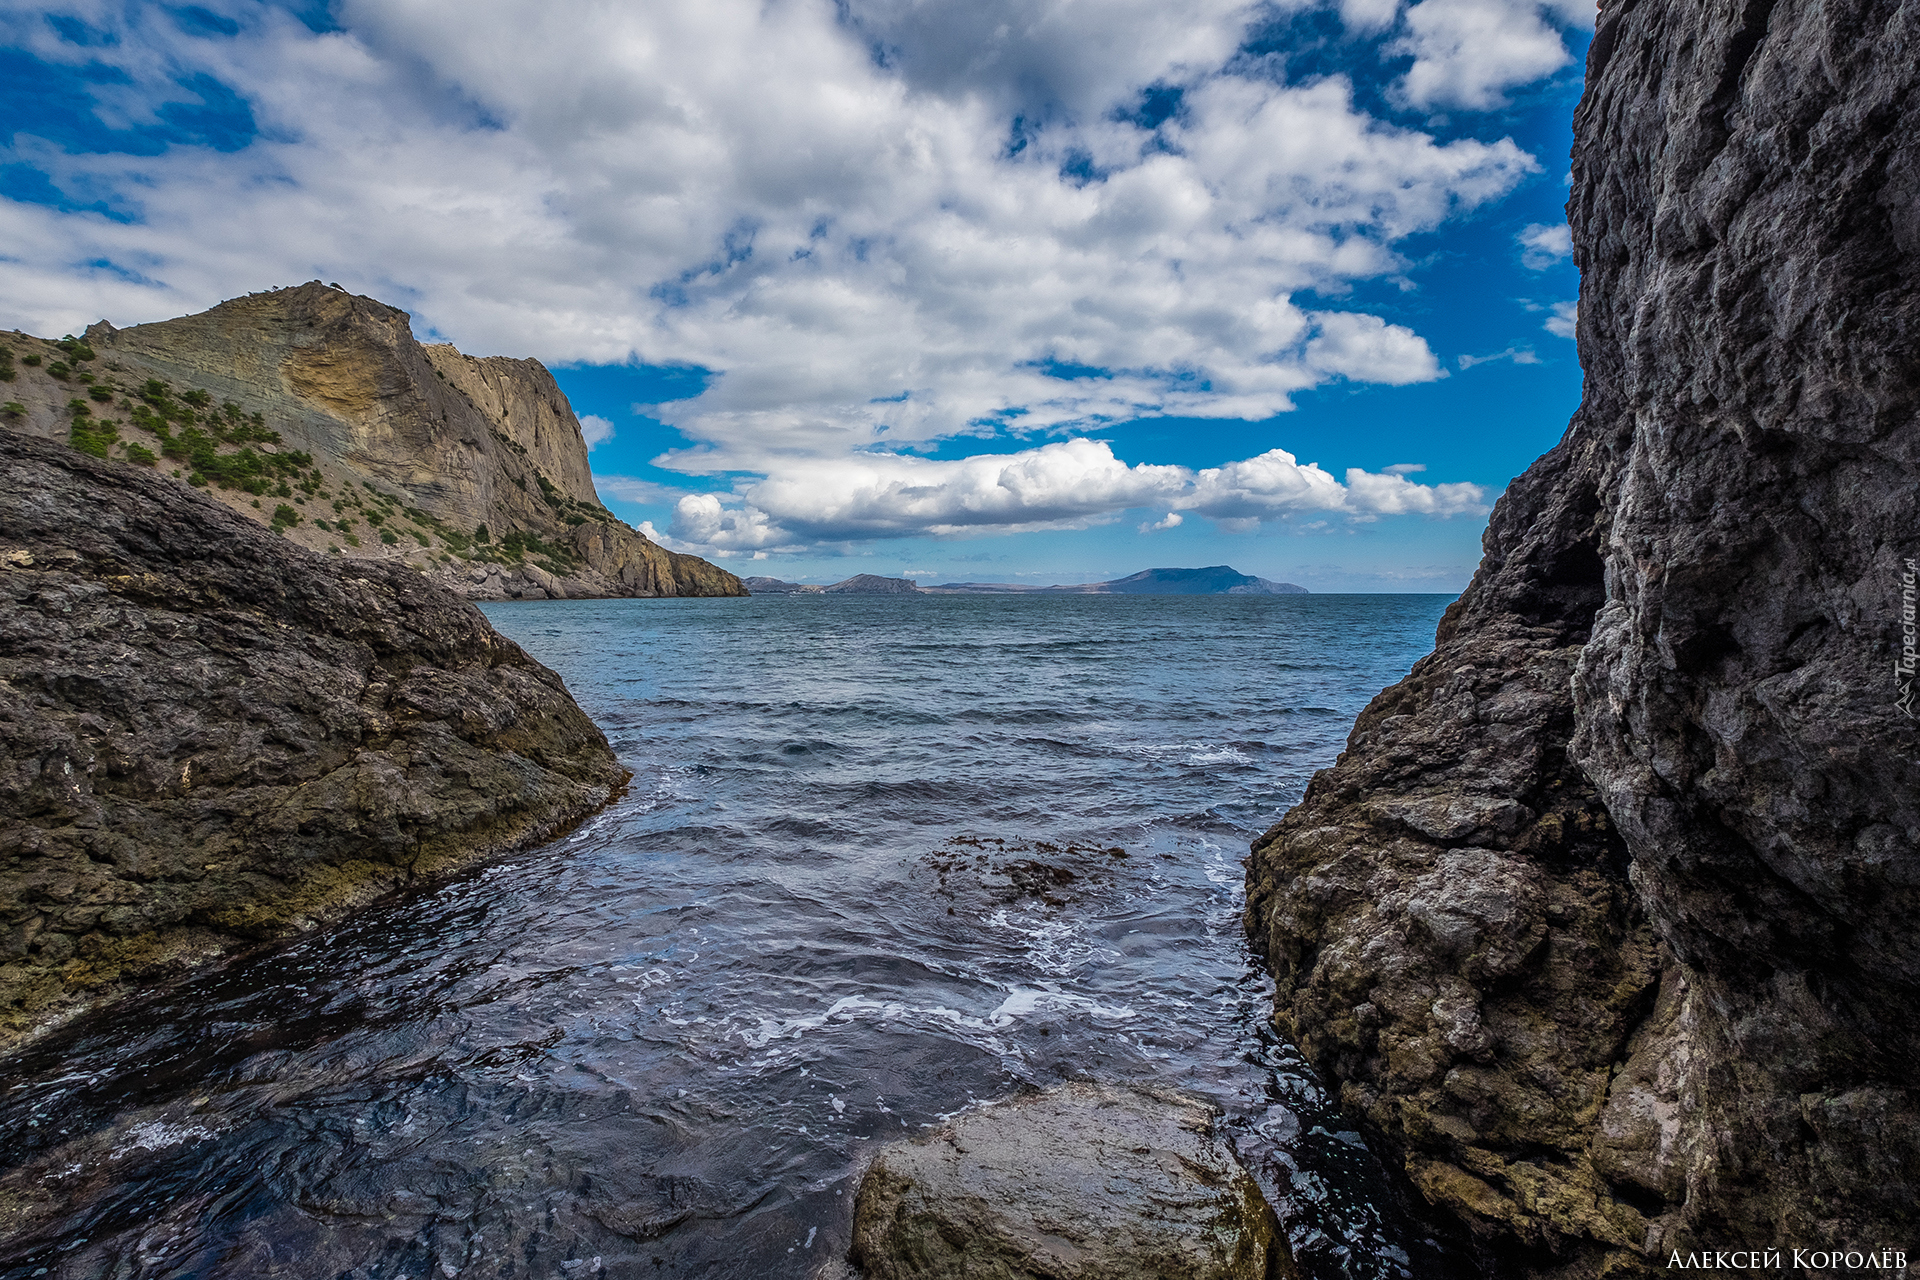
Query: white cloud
[[1070, 484], [1172, 520], [1468, 53], [1542, 245], [1565, 319], [595, 429], [912, 214], [1519, 355], [1365, 17]]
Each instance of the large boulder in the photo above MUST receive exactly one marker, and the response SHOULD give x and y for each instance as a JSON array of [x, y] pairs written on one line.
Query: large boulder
[[1603, 924], [1082, 1182], [210, 736]]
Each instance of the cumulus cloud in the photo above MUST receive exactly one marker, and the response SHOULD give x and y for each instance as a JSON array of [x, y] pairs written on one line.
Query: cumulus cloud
[[1172, 520], [595, 429], [916, 222], [1541, 246], [1468, 53], [1564, 321], [1069, 484]]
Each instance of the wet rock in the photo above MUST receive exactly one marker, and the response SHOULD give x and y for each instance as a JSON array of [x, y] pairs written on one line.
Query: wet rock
[[210, 736], [1624, 874], [1082, 1182]]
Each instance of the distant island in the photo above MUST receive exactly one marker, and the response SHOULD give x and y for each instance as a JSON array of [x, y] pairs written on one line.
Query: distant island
[[1215, 580]]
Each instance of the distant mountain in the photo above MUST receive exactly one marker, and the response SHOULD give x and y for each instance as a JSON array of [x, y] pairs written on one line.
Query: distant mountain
[[1216, 580], [863, 584], [869, 584], [775, 587]]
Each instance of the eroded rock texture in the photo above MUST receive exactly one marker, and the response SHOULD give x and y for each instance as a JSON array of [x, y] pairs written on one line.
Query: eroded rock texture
[[210, 736], [1605, 921], [1082, 1182]]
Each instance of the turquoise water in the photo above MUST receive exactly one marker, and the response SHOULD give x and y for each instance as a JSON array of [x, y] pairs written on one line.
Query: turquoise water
[[881, 859]]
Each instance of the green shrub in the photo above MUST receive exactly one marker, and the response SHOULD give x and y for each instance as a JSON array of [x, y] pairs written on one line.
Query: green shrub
[[386, 536], [30, 360], [285, 517], [59, 369], [141, 456], [91, 437], [75, 348], [101, 394], [481, 535], [13, 409]]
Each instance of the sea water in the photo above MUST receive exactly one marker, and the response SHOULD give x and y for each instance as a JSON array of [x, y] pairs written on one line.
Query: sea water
[[883, 859]]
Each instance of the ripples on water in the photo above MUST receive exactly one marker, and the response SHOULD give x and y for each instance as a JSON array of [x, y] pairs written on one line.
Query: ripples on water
[[881, 859]]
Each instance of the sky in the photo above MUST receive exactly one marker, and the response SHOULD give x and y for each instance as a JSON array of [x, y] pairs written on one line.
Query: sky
[[1012, 290]]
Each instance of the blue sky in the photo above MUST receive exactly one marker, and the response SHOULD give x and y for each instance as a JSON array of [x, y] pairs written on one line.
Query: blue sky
[[1035, 291]]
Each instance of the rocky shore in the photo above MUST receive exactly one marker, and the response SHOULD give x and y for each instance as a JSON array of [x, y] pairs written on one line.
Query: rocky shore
[[317, 413], [211, 736], [1603, 923]]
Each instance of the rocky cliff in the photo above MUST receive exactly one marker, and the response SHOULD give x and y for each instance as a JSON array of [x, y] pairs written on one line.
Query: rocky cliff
[[316, 412], [1603, 923], [210, 735]]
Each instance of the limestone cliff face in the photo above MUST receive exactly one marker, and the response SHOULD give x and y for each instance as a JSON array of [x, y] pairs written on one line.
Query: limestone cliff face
[[210, 736], [1604, 921], [441, 443]]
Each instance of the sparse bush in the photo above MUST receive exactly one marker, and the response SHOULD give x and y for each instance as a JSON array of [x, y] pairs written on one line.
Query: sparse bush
[[90, 437], [101, 394], [59, 369], [141, 456], [285, 517], [30, 360], [481, 535], [13, 409], [386, 536]]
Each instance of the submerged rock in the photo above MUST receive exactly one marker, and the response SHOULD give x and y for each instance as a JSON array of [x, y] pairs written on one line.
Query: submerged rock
[[210, 736], [1082, 1182], [1603, 923]]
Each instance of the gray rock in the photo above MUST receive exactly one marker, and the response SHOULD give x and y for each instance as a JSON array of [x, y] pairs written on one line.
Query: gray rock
[[1624, 875], [209, 736], [1082, 1182]]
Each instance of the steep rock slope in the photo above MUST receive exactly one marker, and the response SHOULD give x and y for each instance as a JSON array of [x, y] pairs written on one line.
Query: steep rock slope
[[209, 735], [373, 445], [1604, 921]]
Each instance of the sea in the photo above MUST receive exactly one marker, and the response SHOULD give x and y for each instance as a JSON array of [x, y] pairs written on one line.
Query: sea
[[883, 859]]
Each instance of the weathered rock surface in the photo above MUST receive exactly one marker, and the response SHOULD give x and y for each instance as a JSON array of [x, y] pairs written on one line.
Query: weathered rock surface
[[1604, 921], [436, 443], [1082, 1182], [210, 736]]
